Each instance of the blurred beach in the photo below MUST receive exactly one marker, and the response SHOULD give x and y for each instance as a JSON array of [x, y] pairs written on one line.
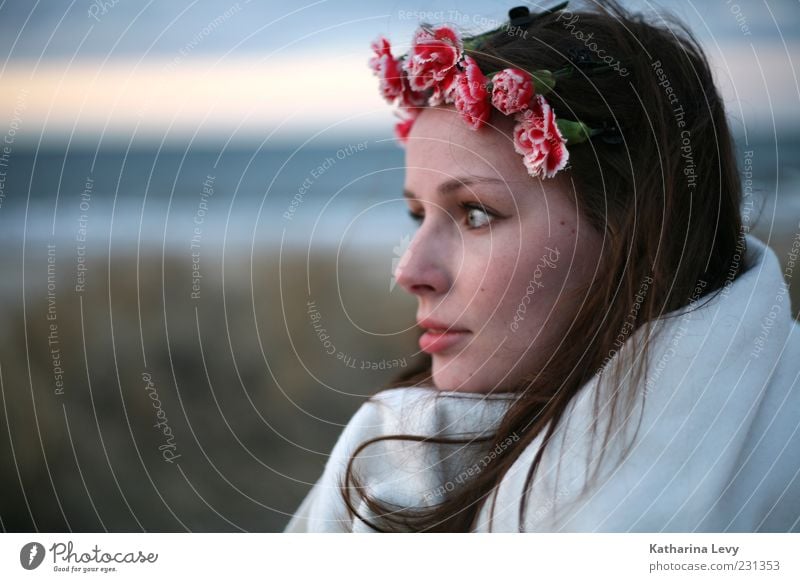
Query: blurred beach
[[257, 335]]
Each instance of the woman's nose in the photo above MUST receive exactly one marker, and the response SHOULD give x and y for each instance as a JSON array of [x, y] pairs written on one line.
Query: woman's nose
[[423, 268]]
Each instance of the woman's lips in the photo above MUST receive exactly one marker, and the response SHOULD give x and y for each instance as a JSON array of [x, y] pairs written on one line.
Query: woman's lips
[[438, 340]]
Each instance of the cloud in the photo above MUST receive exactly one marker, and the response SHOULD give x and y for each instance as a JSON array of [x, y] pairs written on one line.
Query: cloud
[[180, 96]]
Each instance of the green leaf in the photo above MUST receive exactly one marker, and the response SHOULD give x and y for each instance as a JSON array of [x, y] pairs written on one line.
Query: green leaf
[[544, 81], [573, 131]]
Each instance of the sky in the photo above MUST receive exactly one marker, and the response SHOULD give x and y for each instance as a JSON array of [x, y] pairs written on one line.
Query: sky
[[183, 70]]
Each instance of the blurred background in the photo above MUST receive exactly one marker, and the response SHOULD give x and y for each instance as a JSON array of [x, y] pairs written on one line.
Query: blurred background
[[200, 212]]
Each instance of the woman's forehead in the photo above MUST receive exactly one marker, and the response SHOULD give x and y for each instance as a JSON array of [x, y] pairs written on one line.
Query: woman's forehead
[[441, 141]]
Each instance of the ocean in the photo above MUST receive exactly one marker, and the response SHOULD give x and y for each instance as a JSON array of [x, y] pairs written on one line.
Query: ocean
[[211, 195], [230, 195]]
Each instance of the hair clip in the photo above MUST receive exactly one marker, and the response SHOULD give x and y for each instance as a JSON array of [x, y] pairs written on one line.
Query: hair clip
[[518, 17], [609, 133], [582, 58], [521, 15]]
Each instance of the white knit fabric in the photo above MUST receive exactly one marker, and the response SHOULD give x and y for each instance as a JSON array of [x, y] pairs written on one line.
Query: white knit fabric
[[717, 447]]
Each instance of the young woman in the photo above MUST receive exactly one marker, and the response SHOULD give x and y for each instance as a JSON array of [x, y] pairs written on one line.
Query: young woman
[[610, 350]]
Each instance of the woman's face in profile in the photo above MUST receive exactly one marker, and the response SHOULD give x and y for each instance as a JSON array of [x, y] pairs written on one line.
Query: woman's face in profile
[[495, 252]]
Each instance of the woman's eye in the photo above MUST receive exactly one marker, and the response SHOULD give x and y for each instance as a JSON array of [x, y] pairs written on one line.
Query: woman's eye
[[477, 216]]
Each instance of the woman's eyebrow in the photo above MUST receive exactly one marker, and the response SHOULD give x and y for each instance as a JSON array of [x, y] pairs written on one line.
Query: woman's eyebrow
[[450, 186]]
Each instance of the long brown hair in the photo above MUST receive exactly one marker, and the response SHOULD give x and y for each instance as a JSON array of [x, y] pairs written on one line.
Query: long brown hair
[[666, 193]]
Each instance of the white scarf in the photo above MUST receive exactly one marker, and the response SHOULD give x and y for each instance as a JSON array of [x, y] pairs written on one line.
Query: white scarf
[[717, 450]]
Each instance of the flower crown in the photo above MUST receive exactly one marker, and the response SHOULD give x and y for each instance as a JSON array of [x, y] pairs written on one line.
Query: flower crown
[[437, 71]]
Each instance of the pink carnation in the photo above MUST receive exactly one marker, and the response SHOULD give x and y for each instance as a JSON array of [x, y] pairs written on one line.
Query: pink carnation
[[408, 97], [512, 90], [471, 96], [538, 139], [445, 91], [433, 56], [403, 127], [387, 69]]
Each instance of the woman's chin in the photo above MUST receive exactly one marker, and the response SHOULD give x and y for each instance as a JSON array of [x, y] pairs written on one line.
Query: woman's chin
[[450, 377]]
